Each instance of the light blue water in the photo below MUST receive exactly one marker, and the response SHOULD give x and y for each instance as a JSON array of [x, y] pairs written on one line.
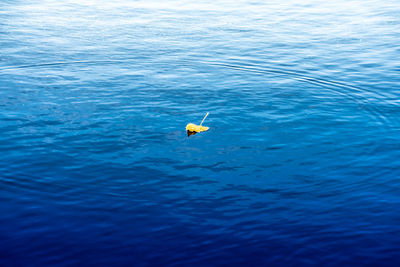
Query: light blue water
[[301, 165]]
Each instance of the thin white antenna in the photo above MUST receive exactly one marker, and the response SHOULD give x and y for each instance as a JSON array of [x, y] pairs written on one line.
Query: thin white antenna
[[204, 119]]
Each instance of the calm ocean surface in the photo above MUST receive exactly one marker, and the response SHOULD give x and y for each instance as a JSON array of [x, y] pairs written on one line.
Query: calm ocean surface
[[301, 165]]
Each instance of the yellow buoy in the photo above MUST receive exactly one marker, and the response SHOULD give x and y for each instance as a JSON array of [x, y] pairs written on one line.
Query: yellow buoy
[[192, 129]]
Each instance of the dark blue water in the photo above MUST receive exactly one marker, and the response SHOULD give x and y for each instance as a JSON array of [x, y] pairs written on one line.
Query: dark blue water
[[301, 165]]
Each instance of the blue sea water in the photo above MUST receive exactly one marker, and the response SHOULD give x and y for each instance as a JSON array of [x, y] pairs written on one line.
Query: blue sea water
[[300, 167]]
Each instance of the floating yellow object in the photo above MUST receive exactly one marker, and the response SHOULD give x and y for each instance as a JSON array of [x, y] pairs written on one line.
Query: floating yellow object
[[196, 128], [192, 129]]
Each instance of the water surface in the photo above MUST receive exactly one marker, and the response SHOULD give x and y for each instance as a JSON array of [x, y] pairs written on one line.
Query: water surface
[[301, 165]]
